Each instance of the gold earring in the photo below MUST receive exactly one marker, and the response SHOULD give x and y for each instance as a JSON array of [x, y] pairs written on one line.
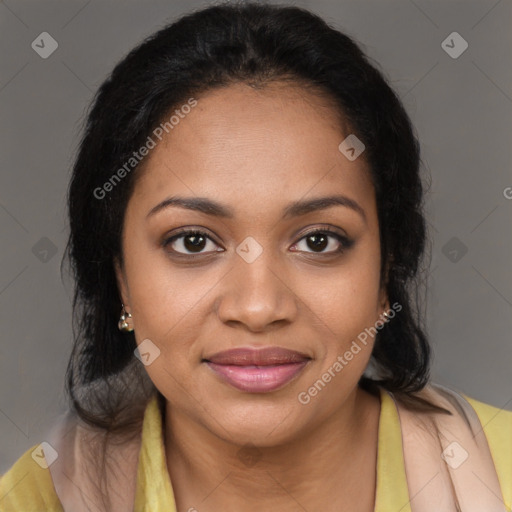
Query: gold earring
[[386, 316], [123, 324]]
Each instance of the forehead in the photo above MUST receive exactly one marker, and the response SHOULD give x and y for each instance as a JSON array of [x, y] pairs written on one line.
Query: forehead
[[252, 147]]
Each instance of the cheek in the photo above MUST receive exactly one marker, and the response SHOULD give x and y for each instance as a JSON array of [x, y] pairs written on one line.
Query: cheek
[[347, 300], [347, 306], [168, 302], [167, 305], [157, 291]]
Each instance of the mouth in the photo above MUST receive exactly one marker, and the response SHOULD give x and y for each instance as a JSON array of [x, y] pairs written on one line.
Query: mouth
[[257, 370]]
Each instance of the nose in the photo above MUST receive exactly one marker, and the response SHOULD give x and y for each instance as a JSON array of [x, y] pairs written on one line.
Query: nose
[[257, 295]]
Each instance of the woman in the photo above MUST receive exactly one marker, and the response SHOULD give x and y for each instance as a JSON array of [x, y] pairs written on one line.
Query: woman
[[246, 232]]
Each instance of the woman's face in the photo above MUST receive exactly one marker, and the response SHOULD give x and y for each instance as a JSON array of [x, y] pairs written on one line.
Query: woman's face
[[255, 278]]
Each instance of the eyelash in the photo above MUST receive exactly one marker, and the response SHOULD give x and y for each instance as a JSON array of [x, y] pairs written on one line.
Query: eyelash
[[345, 243]]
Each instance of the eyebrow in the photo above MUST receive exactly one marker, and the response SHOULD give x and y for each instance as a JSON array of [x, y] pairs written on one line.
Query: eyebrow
[[295, 209]]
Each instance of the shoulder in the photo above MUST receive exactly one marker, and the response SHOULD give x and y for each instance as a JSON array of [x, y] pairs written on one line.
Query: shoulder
[[494, 422], [27, 486], [497, 426], [495, 417]]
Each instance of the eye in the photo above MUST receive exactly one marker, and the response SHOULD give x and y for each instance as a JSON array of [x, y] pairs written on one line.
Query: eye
[[324, 238], [190, 242], [194, 241]]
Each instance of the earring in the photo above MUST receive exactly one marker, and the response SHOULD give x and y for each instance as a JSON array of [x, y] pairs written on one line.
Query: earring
[[123, 324], [386, 316]]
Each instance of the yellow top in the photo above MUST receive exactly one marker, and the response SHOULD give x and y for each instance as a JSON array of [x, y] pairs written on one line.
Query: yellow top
[[27, 487]]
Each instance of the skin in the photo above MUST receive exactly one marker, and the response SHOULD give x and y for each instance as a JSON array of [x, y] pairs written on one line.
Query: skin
[[256, 151]]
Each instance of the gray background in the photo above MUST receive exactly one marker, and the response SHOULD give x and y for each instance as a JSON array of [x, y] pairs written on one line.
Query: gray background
[[462, 110]]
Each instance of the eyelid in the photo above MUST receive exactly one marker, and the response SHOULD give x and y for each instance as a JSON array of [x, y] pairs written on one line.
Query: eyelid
[[322, 228]]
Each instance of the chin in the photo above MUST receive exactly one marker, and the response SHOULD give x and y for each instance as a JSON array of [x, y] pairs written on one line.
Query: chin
[[258, 424]]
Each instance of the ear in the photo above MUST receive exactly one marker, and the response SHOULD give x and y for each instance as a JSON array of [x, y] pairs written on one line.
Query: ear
[[383, 300], [122, 286]]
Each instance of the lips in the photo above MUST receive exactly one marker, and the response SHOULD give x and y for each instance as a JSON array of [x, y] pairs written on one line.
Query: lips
[[257, 370], [267, 356]]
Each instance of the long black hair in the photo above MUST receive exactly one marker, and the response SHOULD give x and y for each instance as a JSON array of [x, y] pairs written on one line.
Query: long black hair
[[214, 47]]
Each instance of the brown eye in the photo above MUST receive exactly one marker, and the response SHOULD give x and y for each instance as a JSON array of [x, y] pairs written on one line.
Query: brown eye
[[320, 240], [190, 242]]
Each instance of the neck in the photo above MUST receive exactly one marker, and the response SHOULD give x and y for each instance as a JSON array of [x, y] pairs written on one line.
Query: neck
[[329, 465]]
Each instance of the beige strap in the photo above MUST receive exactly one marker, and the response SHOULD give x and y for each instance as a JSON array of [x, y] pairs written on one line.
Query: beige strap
[[448, 462], [77, 482]]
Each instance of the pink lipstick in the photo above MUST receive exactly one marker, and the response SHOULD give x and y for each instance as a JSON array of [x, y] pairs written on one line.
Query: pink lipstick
[[257, 370]]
